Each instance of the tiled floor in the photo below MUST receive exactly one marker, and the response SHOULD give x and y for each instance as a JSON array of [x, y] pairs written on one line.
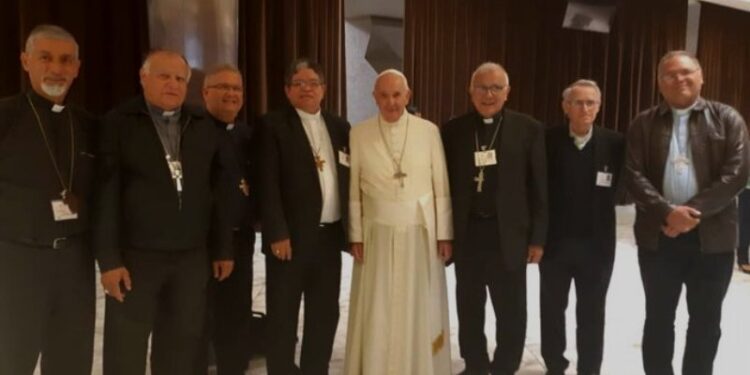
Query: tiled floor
[[625, 313]]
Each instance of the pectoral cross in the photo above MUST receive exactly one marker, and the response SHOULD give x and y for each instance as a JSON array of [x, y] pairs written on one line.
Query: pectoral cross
[[479, 179], [319, 162], [175, 169], [400, 175]]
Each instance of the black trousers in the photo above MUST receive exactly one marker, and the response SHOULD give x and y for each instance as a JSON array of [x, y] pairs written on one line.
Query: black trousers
[[743, 211], [590, 267], [706, 278], [319, 280], [46, 307], [480, 267], [167, 302], [228, 313]]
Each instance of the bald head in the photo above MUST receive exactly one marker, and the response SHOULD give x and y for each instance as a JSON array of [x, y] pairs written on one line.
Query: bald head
[[164, 78], [391, 94]]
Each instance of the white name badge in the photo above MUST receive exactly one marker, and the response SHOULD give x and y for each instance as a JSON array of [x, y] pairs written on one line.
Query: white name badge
[[61, 211], [604, 179], [484, 158], [344, 158]]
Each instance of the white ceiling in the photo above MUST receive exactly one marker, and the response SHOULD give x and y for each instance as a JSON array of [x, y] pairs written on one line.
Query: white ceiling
[[737, 4], [395, 8]]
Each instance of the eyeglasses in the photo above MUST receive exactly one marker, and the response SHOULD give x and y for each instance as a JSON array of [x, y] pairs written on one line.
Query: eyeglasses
[[226, 87], [676, 75], [584, 103], [313, 84], [492, 89]]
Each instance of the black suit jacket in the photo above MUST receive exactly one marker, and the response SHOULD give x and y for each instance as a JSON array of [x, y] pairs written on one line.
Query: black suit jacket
[[244, 208], [609, 154], [28, 181], [137, 203], [521, 195], [290, 197]]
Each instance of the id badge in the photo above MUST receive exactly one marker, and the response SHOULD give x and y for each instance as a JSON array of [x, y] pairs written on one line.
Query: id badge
[[604, 179], [61, 211], [484, 158], [344, 158]]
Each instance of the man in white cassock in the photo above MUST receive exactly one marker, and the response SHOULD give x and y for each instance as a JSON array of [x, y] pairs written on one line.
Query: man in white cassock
[[400, 232]]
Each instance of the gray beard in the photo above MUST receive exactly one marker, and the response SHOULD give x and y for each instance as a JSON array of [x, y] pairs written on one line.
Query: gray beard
[[54, 90]]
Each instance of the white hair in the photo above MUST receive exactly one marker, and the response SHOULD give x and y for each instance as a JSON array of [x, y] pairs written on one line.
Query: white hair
[[489, 66], [581, 83], [394, 72], [146, 66]]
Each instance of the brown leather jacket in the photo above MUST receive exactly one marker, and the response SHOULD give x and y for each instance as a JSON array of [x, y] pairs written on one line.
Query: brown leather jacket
[[719, 145]]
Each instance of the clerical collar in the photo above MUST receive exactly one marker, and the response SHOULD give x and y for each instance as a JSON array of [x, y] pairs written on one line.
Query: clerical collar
[[304, 116], [222, 124], [162, 114], [495, 119], [581, 140], [46, 103], [683, 111]]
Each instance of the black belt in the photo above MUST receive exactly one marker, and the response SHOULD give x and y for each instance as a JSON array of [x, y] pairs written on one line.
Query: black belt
[[58, 243]]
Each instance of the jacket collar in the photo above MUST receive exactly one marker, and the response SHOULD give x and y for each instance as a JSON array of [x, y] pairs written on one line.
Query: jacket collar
[[138, 106], [664, 108]]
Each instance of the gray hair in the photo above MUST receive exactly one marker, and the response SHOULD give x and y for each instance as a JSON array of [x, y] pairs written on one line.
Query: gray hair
[[581, 83], [394, 72], [221, 68], [488, 66], [678, 53], [47, 31], [146, 66]]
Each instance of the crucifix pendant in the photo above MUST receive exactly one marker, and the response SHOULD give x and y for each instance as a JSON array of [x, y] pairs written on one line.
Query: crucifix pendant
[[319, 162], [479, 179], [399, 175], [175, 168]]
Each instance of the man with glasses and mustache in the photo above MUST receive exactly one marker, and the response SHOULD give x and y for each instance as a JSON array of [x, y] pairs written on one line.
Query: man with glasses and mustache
[[583, 165], [498, 184], [687, 159], [304, 177], [46, 177], [230, 300]]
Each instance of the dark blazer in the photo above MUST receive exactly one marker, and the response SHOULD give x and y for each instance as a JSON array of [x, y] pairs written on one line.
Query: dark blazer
[[137, 200], [28, 181], [521, 194], [719, 144], [243, 209], [290, 197], [609, 155]]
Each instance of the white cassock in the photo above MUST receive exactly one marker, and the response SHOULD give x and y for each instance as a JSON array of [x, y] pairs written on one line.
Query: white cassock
[[398, 316]]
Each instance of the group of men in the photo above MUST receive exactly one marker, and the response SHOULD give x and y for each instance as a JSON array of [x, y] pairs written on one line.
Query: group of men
[[165, 197]]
